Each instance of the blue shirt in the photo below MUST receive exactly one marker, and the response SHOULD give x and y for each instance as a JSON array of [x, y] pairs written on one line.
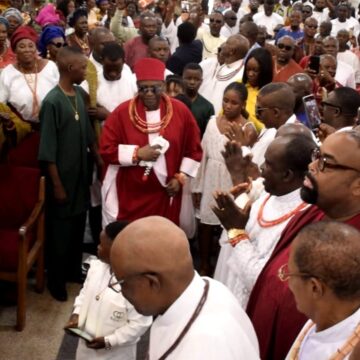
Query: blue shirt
[[286, 31]]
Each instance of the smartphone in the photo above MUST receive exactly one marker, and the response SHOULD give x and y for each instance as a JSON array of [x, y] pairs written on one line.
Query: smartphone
[[312, 111], [314, 63], [80, 333], [185, 6]]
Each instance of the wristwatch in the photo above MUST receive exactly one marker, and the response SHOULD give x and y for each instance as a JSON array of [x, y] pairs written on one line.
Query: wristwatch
[[107, 344]]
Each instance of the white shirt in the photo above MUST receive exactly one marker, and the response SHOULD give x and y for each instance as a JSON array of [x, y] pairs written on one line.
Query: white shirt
[[110, 94], [15, 90], [345, 75], [112, 316], [270, 22], [323, 344], [258, 150], [210, 43], [213, 89], [248, 257], [221, 331], [351, 59], [321, 16], [348, 25], [226, 31], [99, 67]]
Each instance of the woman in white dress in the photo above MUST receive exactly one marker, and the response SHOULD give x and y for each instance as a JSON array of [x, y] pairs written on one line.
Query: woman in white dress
[[213, 174], [26, 83]]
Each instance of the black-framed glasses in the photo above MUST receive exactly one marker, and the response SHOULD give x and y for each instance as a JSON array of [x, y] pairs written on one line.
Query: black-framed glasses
[[259, 110], [58, 44], [325, 103], [323, 162], [283, 46], [284, 274], [115, 284], [216, 21], [155, 89]]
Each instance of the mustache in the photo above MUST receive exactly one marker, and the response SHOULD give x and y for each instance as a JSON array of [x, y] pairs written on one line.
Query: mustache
[[312, 179]]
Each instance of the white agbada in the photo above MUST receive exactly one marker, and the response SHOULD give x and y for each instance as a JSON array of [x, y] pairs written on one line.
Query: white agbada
[[110, 94], [15, 90], [221, 331], [350, 24], [323, 344], [352, 60], [227, 31], [246, 260], [345, 75], [213, 87], [112, 316], [270, 22]]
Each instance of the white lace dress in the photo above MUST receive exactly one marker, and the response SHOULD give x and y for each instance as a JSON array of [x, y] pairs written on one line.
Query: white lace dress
[[212, 174]]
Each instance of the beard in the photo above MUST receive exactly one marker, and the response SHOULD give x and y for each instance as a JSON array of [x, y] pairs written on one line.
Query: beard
[[310, 195]]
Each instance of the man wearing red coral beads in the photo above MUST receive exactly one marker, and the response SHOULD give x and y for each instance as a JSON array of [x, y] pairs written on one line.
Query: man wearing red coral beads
[[150, 144]]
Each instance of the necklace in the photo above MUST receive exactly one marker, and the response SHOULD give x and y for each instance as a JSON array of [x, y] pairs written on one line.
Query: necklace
[[189, 323], [77, 116], [84, 44], [268, 223], [32, 84], [157, 127], [278, 68], [340, 354], [228, 76]]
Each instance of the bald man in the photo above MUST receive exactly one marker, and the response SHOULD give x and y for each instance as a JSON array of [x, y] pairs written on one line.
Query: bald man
[[323, 274], [196, 318], [234, 51], [301, 85], [65, 136]]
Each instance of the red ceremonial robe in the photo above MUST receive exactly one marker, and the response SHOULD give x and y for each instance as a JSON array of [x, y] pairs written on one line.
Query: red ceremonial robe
[[137, 198], [272, 308], [287, 71]]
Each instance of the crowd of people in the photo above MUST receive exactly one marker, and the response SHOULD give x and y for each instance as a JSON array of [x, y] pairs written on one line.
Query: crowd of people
[[216, 133]]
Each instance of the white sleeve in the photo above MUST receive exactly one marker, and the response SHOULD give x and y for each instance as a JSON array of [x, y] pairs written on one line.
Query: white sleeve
[[4, 92], [135, 327]]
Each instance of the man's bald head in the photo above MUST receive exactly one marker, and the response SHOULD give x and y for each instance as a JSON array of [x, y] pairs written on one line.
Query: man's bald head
[[281, 96], [98, 37], [294, 130], [250, 30], [301, 85], [155, 253], [236, 47]]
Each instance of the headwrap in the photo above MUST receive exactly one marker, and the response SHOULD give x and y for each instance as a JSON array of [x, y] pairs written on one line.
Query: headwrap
[[23, 32], [76, 15], [4, 21], [15, 13], [49, 33], [149, 69], [98, 2], [47, 16]]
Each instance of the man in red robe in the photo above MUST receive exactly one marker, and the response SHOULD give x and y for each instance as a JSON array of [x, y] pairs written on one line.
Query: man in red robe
[[284, 65], [150, 144], [333, 186]]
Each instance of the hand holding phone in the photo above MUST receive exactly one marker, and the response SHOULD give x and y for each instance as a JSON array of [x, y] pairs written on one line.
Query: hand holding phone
[[80, 333], [312, 112]]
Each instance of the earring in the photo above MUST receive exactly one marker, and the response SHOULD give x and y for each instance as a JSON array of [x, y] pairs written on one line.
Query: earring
[[48, 54]]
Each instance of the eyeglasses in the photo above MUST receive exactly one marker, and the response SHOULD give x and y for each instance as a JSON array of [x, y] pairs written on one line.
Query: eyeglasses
[[216, 21], [58, 44], [283, 46], [325, 103], [155, 89], [259, 110], [115, 284], [284, 274], [232, 18], [323, 162]]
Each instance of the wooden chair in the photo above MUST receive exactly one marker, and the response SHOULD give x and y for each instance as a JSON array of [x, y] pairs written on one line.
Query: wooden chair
[[22, 196]]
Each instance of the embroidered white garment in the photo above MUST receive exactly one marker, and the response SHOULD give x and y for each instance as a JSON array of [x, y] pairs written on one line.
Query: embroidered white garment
[[248, 257], [213, 89], [323, 344], [221, 331], [15, 90]]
